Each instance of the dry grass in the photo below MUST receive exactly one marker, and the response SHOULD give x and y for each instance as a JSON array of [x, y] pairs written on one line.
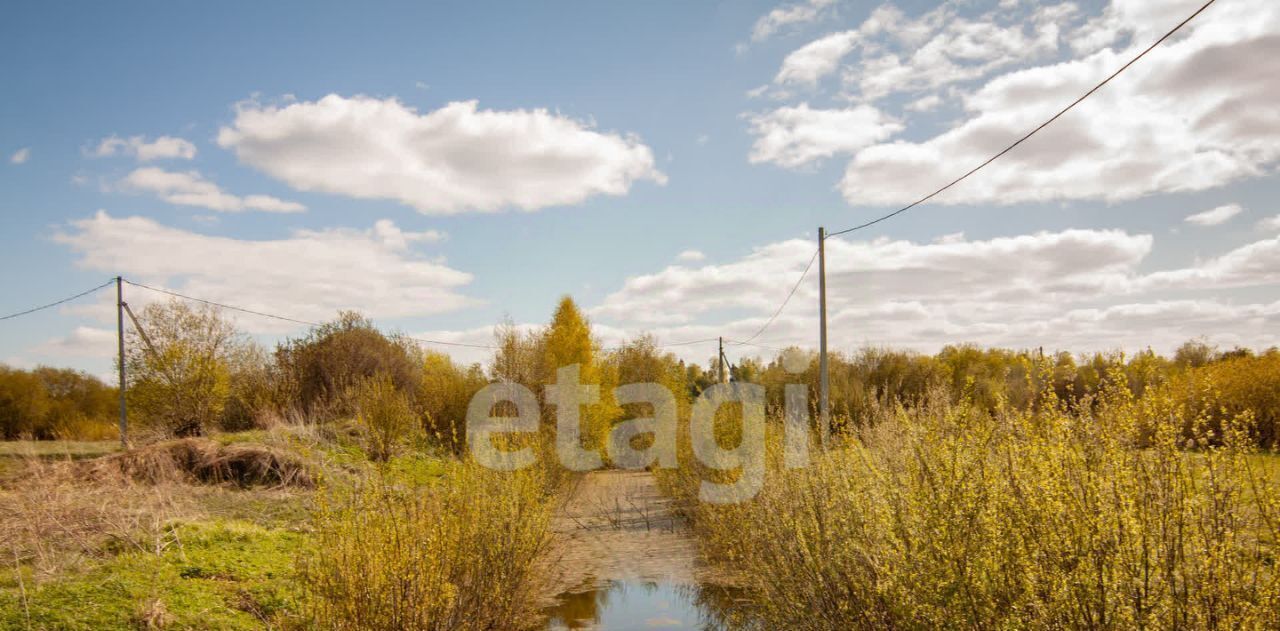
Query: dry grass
[[54, 521], [204, 461], [61, 516]]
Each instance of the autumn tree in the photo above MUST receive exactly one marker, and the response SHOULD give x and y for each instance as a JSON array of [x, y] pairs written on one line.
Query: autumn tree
[[568, 341], [180, 371], [320, 373], [446, 391]]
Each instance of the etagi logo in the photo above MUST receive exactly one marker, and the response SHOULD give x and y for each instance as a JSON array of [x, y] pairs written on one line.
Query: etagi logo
[[568, 395]]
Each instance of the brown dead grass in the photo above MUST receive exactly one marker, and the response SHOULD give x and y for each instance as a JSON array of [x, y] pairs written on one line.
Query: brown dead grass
[[56, 515], [197, 460], [52, 519]]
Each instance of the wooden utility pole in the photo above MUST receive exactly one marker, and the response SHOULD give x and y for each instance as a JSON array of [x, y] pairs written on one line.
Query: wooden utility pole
[[824, 400], [124, 411]]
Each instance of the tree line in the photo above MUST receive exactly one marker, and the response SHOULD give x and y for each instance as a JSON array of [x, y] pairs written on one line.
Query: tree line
[[194, 373]]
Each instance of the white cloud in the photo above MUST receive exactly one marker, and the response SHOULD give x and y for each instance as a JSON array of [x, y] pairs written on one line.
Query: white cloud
[[189, 188], [886, 29], [1270, 223], [1215, 216], [1070, 262], [796, 135], [164, 147], [1075, 289], [816, 59], [926, 103], [454, 159], [791, 14], [1195, 114], [691, 256], [21, 156], [1249, 265], [942, 48], [309, 275], [84, 341]]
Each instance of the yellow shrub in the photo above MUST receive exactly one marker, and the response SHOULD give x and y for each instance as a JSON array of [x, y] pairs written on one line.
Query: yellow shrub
[[455, 555], [952, 516]]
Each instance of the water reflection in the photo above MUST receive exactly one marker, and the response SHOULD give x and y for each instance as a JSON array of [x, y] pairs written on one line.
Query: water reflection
[[643, 605]]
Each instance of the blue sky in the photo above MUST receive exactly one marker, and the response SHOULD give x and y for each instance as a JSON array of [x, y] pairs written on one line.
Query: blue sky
[[606, 139]]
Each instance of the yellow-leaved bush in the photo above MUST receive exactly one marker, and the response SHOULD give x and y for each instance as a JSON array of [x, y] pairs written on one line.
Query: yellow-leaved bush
[[1130, 512], [392, 554]]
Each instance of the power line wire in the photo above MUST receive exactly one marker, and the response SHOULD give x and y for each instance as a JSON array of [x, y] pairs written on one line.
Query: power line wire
[[54, 304], [764, 346], [309, 323], [782, 306], [284, 318], [1032, 132], [619, 347], [686, 343], [221, 305]]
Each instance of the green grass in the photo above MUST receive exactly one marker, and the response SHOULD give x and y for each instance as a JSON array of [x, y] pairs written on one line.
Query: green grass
[[232, 563], [222, 575]]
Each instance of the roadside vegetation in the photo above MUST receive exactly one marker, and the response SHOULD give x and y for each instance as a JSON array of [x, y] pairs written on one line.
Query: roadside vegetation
[[323, 485], [1148, 498], [326, 483]]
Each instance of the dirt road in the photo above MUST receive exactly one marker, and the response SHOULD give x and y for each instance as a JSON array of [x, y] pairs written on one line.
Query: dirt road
[[617, 526]]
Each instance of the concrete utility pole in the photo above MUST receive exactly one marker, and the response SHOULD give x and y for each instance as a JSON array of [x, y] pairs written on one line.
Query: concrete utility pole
[[124, 411], [824, 400], [722, 372]]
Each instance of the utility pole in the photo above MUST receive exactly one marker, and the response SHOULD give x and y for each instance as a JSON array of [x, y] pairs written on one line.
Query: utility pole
[[722, 372], [824, 384], [124, 411]]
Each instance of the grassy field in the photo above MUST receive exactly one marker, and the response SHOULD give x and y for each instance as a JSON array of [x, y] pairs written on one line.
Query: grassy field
[[217, 574], [113, 554], [86, 550]]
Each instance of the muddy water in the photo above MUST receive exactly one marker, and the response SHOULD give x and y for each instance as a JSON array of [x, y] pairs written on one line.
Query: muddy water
[[620, 605], [622, 559]]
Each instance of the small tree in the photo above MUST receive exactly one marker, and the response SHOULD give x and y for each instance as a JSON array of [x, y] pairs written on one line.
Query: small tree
[[1195, 353], [320, 371], [444, 395], [384, 413], [179, 383]]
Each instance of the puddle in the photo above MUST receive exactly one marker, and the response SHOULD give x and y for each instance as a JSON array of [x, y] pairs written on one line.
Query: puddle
[[639, 606]]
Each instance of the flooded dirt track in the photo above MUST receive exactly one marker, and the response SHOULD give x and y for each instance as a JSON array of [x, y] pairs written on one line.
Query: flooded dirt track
[[623, 559]]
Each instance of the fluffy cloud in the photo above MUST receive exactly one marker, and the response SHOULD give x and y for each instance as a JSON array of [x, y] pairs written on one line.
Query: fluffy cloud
[[1270, 223], [816, 59], [1069, 262], [941, 48], [691, 256], [309, 275], [455, 159], [903, 54], [20, 156], [164, 147], [84, 341], [1215, 216], [1250, 265], [789, 15], [1075, 289], [189, 188], [795, 136], [1195, 114]]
